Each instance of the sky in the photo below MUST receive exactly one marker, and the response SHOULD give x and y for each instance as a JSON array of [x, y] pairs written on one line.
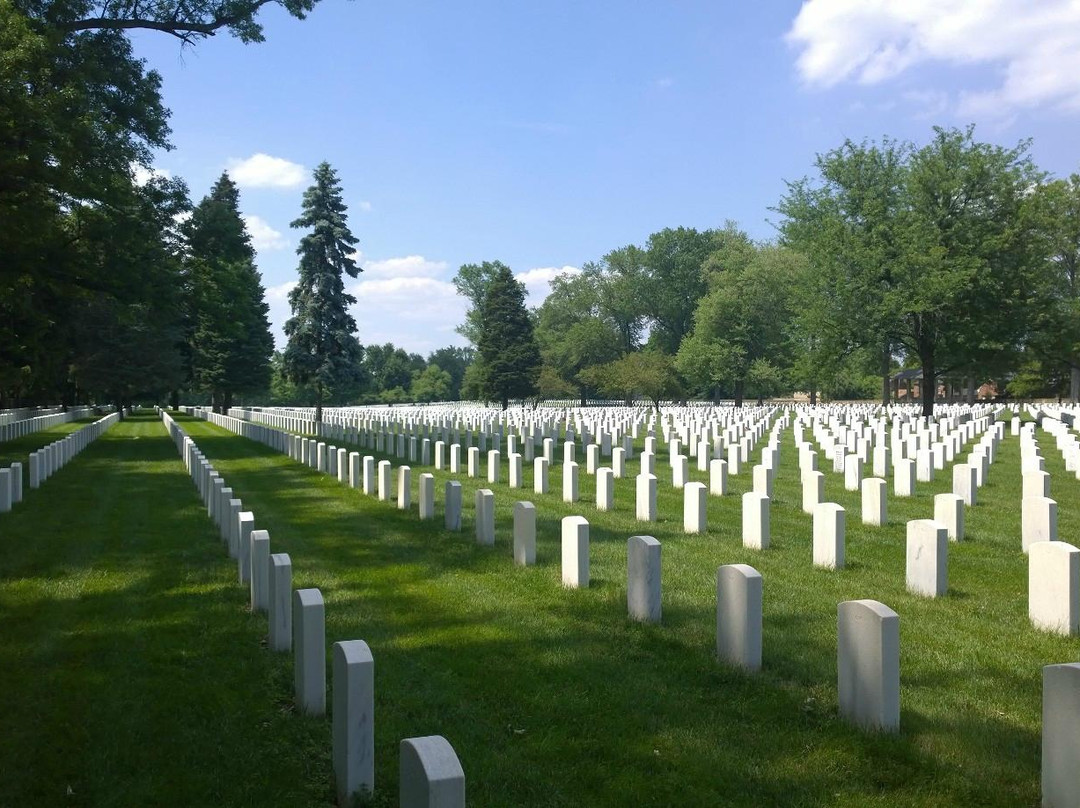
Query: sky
[[545, 135]]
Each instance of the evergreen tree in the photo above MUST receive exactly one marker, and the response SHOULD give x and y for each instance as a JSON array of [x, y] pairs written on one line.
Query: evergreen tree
[[231, 343], [509, 355], [323, 350]]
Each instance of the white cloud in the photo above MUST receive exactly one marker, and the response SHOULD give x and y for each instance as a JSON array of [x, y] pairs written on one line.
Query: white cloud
[[409, 265], [418, 314], [538, 281], [263, 237], [143, 175], [1034, 44], [263, 171], [277, 298], [364, 206], [662, 84]]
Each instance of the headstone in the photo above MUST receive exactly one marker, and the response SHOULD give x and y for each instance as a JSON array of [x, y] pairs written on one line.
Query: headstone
[[430, 774], [852, 472], [354, 470], [260, 570], [874, 501], [515, 466], [904, 478], [474, 461], [540, 474], [679, 471], [646, 498], [813, 490], [755, 520], [762, 481], [427, 496], [354, 720], [6, 492], [643, 579], [694, 496], [964, 482], [570, 491], [927, 558], [485, 516], [739, 615], [868, 664], [1038, 520], [718, 477], [1054, 587], [16, 483], [949, 511], [309, 651], [494, 460], [605, 489], [829, 530], [280, 601], [369, 475], [575, 552], [385, 470], [524, 533], [245, 524], [1061, 735], [453, 505]]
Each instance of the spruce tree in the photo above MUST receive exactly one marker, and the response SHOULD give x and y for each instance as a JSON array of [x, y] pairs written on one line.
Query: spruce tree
[[230, 339], [323, 351], [508, 353]]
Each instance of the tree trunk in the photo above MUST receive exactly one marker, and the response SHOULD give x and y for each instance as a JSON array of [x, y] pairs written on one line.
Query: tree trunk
[[227, 402], [506, 403], [1074, 383], [318, 403], [886, 382], [813, 395], [739, 393], [174, 400], [581, 394], [929, 385], [971, 389]]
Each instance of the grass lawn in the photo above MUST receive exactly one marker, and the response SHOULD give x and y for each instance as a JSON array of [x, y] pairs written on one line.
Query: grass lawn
[[18, 449], [136, 675]]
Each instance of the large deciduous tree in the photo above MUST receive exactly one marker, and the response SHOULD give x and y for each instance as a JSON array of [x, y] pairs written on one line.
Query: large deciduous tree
[[323, 350], [932, 251], [507, 349]]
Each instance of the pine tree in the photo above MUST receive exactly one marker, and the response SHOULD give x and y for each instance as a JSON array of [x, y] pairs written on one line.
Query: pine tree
[[323, 350], [508, 353], [230, 339]]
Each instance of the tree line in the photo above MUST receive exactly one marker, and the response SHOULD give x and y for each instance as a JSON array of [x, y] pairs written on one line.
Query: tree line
[[957, 258]]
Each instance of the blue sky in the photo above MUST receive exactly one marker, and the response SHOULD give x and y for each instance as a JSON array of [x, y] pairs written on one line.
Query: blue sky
[[545, 135]]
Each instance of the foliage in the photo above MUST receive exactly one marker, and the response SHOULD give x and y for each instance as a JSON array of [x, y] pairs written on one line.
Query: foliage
[[930, 250], [454, 360], [650, 374], [431, 384], [509, 356], [322, 350], [741, 335], [230, 339], [472, 282]]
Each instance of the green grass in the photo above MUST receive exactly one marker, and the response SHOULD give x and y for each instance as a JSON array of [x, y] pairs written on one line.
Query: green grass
[[18, 449], [551, 697], [132, 672]]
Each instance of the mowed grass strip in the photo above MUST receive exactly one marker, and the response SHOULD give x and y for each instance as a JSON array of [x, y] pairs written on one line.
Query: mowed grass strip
[[132, 672], [553, 697], [17, 450]]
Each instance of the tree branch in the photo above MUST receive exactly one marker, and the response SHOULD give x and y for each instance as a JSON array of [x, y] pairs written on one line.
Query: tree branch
[[183, 30]]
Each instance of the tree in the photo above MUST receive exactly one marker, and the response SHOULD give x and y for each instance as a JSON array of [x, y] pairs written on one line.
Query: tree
[[647, 373], [509, 356], [126, 335], [742, 326], [322, 349], [231, 343], [675, 282], [1055, 337], [454, 360], [932, 251], [431, 384], [620, 291], [472, 282], [187, 20], [571, 331]]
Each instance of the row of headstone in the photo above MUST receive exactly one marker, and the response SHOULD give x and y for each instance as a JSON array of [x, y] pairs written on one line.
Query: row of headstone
[[48, 460], [430, 773], [9, 430], [868, 632]]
